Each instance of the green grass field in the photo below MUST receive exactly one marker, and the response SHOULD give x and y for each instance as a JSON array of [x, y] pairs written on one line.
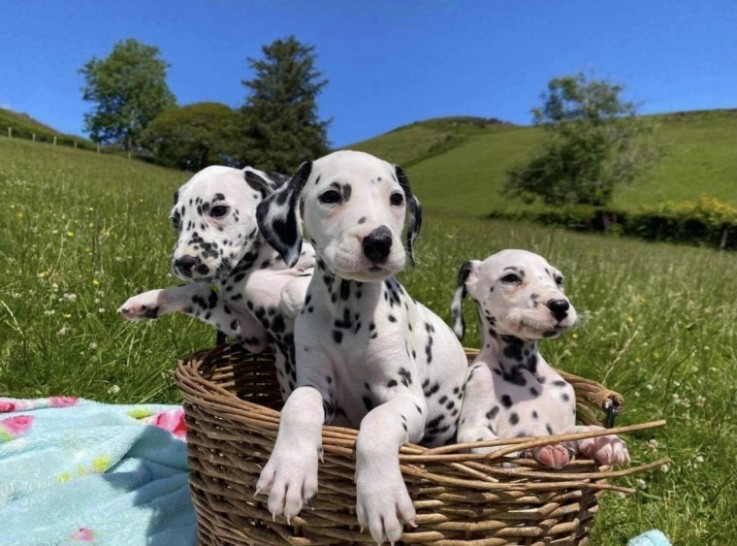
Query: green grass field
[[82, 232], [462, 168]]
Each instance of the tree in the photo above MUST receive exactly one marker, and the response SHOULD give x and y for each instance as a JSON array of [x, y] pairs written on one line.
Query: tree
[[193, 136], [129, 91], [281, 127], [593, 144]]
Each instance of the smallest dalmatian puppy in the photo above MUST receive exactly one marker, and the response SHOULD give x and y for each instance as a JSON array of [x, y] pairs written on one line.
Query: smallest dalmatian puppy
[[510, 390]]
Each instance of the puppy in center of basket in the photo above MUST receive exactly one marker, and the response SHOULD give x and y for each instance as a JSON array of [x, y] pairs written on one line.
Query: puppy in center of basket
[[367, 354], [511, 391]]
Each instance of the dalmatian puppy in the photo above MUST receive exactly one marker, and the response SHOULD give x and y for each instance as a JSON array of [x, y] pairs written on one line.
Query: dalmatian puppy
[[510, 390], [368, 355], [219, 242]]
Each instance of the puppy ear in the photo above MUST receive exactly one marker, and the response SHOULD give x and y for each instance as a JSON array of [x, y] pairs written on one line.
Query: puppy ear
[[278, 220], [414, 212], [259, 182], [468, 270]]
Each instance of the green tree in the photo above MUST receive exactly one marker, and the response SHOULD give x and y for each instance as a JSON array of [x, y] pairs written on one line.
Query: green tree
[[593, 144], [193, 136], [281, 126], [129, 91]]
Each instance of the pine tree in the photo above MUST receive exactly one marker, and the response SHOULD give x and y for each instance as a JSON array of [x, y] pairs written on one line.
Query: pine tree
[[281, 127]]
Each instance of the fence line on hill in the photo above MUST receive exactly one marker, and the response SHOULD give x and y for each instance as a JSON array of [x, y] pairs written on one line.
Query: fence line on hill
[[46, 138]]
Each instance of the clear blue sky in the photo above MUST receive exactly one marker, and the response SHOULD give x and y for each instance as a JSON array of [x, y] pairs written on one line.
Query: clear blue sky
[[388, 62]]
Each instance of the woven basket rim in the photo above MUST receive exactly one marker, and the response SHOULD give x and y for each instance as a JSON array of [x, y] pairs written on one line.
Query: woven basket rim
[[342, 439]]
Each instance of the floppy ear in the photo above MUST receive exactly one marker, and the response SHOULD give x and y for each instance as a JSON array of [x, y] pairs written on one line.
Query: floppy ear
[[414, 212], [468, 269], [278, 220], [259, 182]]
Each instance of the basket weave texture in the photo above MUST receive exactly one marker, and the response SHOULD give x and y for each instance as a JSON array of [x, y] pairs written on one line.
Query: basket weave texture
[[231, 402]]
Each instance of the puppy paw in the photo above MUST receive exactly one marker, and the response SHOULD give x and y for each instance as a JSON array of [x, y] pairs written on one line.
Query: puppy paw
[[145, 306], [290, 479], [383, 505], [609, 450], [553, 456]]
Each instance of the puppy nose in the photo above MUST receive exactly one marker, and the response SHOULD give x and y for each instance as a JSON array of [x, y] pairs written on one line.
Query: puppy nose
[[559, 308], [185, 264], [377, 244]]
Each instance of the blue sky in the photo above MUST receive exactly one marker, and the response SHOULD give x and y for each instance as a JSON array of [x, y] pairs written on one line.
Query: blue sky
[[388, 62]]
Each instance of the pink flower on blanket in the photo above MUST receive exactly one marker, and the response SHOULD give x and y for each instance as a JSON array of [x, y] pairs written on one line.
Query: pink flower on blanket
[[17, 425], [7, 406], [172, 420], [63, 401], [83, 535]]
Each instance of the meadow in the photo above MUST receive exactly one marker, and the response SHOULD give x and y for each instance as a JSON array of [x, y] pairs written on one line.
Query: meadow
[[82, 232]]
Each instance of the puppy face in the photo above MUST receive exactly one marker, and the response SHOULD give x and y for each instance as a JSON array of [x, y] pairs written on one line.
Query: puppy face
[[353, 207], [214, 215], [520, 294]]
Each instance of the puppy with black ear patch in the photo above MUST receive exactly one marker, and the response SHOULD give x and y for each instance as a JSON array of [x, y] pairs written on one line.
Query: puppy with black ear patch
[[510, 390], [218, 242], [368, 355]]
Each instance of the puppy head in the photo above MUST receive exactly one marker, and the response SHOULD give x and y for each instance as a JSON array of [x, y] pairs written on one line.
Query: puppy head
[[353, 206], [214, 215], [518, 293]]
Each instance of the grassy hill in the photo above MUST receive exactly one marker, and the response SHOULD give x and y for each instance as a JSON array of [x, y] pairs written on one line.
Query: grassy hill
[[24, 126], [460, 167]]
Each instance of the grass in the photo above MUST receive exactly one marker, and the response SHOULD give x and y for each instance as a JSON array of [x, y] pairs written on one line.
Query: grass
[[80, 233], [461, 168]]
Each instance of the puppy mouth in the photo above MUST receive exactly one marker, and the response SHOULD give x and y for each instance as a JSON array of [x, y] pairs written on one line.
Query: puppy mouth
[[539, 329]]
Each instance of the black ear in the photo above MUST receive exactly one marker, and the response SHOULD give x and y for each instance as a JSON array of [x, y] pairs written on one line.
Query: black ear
[[456, 306], [278, 219], [259, 182], [414, 212]]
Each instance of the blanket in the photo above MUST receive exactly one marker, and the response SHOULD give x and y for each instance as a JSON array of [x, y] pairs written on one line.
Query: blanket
[[74, 471]]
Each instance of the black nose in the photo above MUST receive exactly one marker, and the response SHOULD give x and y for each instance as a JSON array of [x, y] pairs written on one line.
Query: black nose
[[559, 308], [377, 244], [185, 264]]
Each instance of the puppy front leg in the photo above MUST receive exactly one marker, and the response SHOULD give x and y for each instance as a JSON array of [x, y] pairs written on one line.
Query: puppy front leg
[[199, 301], [480, 408], [383, 503], [609, 449], [290, 475]]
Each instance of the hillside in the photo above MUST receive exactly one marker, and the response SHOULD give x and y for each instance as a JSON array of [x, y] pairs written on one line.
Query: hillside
[[24, 126], [460, 168]]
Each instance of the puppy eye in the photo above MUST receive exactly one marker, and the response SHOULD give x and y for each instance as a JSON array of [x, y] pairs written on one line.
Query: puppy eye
[[330, 197], [176, 223], [219, 211], [396, 199], [511, 278], [559, 280]]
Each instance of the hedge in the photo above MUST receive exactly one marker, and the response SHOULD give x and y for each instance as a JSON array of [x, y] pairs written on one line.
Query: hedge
[[707, 221]]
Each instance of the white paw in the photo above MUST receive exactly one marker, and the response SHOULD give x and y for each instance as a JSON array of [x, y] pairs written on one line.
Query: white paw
[[609, 450], [290, 478], [383, 504], [144, 306], [553, 456]]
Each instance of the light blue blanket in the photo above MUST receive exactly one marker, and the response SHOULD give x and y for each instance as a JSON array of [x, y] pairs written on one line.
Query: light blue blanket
[[80, 472]]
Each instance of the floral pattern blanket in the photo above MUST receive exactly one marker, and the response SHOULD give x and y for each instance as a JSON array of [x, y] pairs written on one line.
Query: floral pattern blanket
[[74, 471]]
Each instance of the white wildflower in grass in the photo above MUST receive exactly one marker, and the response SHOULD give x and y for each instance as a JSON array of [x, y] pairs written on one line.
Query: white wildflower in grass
[[641, 484], [114, 389], [70, 297], [698, 459], [49, 313], [665, 468], [92, 346], [101, 310], [652, 444], [64, 331]]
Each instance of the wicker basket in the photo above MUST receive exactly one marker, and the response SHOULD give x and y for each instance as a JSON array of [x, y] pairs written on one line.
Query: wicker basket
[[231, 400]]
